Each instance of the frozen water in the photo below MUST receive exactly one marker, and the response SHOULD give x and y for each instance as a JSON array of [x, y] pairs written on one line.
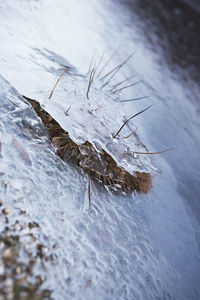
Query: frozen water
[[127, 247]]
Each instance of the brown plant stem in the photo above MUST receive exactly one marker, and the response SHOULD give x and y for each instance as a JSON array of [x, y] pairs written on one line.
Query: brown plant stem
[[130, 119], [134, 99], [57, 82], [126, 87], [159, 152]]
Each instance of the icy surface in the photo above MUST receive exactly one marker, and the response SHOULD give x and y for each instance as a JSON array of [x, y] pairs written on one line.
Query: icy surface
[[97, 119], [127, 247]]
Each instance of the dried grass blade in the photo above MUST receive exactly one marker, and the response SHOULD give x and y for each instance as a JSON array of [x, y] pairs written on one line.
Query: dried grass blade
[[130, 119], [119, 66], [100, 60], [89, 193], [121, 82], [107, 62], [66, 112], [91, 62], [134, 99], [126, 87], [126, 137], [113, 75], [90, 82], [160, 152], [57, 82]]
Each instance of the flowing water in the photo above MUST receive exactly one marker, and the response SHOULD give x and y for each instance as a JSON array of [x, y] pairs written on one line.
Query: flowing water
[[126, 246]]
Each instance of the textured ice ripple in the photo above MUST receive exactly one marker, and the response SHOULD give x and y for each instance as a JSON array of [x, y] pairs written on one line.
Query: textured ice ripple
[[38, 40], [106, 252]]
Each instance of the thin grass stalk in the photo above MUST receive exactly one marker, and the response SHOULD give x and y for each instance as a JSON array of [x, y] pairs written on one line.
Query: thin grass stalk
[[107, 82], [66, 112], [100, 60], [57, 82], [130, 119], [126, 87], [126, 137], [134, 99], [159, 152], [91, 62], [121, 82], [92, 75], [119, 66], [90, 82], [89, 193], [107, 62]]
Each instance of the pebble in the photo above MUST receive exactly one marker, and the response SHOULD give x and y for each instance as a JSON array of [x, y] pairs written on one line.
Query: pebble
[[7, 254], [17, 227], [18, 270], [6, 211]]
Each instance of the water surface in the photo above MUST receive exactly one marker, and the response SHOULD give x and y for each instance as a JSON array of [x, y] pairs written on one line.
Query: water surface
[[127, 247]]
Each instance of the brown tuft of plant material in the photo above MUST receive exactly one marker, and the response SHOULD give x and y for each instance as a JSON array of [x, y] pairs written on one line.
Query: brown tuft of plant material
[[100, 166]]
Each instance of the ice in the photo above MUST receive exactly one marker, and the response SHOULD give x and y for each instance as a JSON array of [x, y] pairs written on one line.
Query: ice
[[123, 246]]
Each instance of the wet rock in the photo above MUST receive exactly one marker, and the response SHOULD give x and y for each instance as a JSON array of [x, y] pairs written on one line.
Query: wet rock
[[32, 225], [7, 254]]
